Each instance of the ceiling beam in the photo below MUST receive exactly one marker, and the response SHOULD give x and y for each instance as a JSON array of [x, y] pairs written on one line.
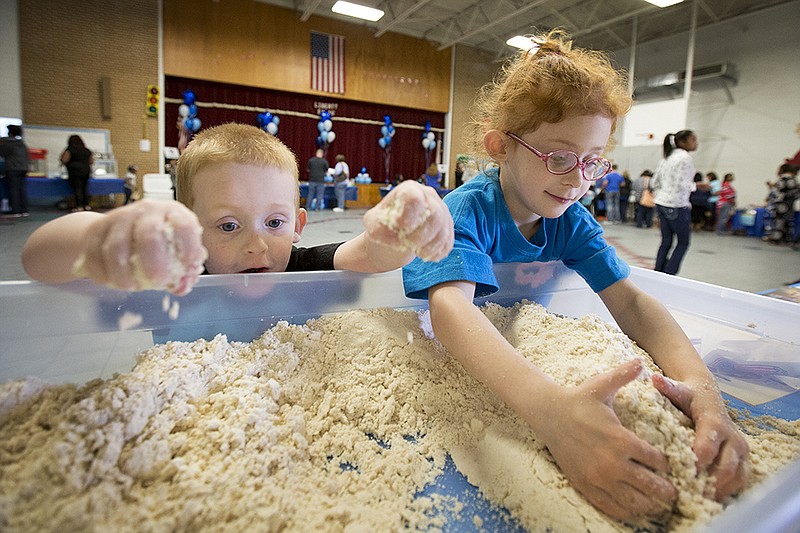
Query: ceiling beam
[[491, 23], [309, 10], [402, 16]]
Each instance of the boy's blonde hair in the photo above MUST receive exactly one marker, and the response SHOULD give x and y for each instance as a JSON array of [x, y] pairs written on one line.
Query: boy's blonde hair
[[549, 83], [231, 143]]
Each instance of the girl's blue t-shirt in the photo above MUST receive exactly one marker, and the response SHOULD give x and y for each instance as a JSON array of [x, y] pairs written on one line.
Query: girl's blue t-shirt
[[485, 234]]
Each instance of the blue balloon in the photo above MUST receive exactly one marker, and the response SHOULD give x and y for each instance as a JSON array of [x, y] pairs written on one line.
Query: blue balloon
[[427, 126], [267, 117], [387, 119], [188, 123], [382, 142], [260, 119], [384, 130], [192, 110], [363, 170], [324, 136], [276, 120], [188, 97], [387, 139], [321, 125]]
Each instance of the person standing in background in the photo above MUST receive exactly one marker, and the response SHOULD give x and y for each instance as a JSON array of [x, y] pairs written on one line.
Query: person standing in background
[[784, 193], [673, 183], [611, 187], [726, 206], [341, 179], [715, 185], [78, 159], [624, 196], [317, 170], [15, 153], [130, 183], [432, 176], [644, 213], [699, 200]]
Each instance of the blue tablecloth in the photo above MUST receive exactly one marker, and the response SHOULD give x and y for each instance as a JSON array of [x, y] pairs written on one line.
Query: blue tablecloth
[[757, 228], [59, 188], [330, 197], [442, 192]]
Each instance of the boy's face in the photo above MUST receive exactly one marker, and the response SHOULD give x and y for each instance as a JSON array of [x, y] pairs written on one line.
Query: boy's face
[[530, 190], [248, 216]]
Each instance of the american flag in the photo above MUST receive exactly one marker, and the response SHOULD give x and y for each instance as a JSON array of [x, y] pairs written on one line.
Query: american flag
[[327, 62]]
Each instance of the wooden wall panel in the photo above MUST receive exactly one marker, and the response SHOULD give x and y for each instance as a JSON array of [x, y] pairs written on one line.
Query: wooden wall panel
[[249, 43]]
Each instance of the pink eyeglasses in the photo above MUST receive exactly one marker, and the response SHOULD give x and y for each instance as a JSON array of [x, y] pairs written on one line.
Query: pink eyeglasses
[[564, 161]]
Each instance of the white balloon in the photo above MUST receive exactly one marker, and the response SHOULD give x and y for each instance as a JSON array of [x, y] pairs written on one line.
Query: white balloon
[[328, 124], [426, 142], [196, 124], [432, 145], [331, 136], [324, 136], [272, 128], [276, 120], [183, 110], [431, 135]]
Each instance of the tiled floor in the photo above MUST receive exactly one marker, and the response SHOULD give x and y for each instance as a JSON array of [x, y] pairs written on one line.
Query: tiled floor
[[743, 263]]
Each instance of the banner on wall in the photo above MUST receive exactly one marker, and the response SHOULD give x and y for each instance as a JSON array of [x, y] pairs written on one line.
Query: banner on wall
[[327, 63]]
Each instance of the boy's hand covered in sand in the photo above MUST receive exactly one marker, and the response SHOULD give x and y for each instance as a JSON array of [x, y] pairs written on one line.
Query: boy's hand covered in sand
[[412, 217], [147, 245]]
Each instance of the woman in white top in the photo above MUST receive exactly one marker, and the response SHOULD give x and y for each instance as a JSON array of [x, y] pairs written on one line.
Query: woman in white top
[[672, 184], [341, 179]]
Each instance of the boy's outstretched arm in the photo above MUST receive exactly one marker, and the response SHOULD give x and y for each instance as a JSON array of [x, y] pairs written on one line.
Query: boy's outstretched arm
[[412, 220], [615, 470], [145, 245], [719, 445]]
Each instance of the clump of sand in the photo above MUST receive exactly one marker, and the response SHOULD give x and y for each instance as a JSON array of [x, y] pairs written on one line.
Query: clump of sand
[[334, 425]]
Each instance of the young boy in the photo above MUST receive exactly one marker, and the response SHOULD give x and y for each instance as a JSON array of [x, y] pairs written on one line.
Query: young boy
[[237, 211], [546, 120]]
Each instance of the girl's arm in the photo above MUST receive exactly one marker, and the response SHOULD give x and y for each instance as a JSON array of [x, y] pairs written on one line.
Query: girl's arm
[[720, 447], [615, 470]]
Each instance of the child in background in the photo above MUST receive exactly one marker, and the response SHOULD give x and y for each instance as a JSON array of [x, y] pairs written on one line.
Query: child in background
[[130, 183], [546, 120], [726, 205], [238, 211]]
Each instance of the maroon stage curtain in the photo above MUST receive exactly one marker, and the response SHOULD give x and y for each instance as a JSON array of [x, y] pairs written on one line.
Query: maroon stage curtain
[[358, 142]]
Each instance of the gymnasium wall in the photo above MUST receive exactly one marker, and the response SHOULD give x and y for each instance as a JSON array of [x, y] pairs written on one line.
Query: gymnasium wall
[[68, 47]]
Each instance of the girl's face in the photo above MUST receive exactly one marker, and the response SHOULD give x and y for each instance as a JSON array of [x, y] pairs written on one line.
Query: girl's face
[[690, 144], [530, 190], [248, 215]]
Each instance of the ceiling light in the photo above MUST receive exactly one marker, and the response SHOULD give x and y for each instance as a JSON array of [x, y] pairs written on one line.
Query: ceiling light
[[357, 11], [664, 3], [519, 41]]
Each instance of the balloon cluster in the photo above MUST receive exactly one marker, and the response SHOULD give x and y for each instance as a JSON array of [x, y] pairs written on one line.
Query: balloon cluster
[[326, 134], [188, 112], [268, 122], [363, 176], [387, 132], [428, 137]]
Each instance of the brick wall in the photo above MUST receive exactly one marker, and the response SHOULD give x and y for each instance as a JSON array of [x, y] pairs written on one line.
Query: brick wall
[[67, 47]]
